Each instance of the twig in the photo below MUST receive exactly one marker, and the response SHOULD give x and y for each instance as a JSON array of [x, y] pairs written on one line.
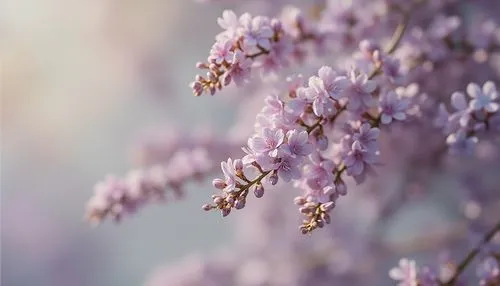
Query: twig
[[470, 256]]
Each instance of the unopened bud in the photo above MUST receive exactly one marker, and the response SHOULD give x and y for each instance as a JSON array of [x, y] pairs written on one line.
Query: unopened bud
[[218, 200], [326, 207], [340, 187], [225, 212], [219, 184], [322, 142], [259, 191], [299, 200], [201, 65], [240, 204], [273, 179], [206, 207]]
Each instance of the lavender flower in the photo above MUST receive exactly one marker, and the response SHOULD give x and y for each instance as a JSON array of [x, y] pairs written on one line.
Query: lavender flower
[[483, 99], [298, 143], [359, 92], [268, 141], [358, 158], [256, 31], [392, 107], [405, 273]]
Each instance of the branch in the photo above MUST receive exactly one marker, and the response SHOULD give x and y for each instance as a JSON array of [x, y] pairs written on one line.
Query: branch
[[472, 254]]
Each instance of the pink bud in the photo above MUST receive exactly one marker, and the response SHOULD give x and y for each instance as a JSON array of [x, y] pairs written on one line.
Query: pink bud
[[258, 191], [225, 212], [340, 187], [219, 184], [238, 165], [218, 200], [206, 207], [239, 204], [273, 179], [326, 207], [299, 200], [322, 142]]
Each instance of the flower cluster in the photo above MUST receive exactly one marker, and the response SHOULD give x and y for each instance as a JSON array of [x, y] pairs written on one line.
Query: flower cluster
[[326, 134], [117, 197], [249, 42], [470, 119], [291, 142]]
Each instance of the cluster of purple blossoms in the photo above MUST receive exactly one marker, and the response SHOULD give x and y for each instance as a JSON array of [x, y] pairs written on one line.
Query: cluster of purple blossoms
[[291, 142], [470, 119], [329, 134], [249, 42], [117, 197]]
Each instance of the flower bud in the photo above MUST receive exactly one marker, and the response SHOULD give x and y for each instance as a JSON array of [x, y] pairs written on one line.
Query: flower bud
[[206, 207], [225, 212], [273, 179], [259, 191], [219, 184], [322, 142], [299, 200], [218, 200], [238, 165], [326, 207], [340, 187], [240, 204]]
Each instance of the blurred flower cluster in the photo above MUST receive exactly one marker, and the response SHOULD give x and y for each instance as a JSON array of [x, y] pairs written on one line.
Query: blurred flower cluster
[[399, 106]]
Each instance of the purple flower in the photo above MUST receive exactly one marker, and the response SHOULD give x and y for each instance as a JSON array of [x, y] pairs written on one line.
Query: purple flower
[[220, 52], [298, 143], [229, 22], [240, 68], [462, 116], [288, 166], [406, 273], [392, 107], [359, 92], [333, 84], [256, 31], [268, 141], [367, 136], [483, 99], [319, 174], [317, 93], [230, 177], [357, 158]]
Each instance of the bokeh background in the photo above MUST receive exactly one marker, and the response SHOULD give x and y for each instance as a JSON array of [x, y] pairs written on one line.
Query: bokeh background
[[81, 81]]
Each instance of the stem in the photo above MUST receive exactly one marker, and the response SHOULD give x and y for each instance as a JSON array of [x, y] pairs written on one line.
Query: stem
[[472, 254]]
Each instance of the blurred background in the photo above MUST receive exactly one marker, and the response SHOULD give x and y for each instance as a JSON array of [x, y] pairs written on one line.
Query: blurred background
[[80, 82]]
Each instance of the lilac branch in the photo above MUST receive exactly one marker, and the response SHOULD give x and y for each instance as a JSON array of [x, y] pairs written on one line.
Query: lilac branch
[[472, 254]]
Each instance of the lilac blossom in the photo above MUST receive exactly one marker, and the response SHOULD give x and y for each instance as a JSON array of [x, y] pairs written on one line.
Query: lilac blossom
[[256, 31], [287, 166], [298, 143], [392, 107], [267, 142], [220, 52], [358, 159], [359, 92], [405, 273], [483, 99]]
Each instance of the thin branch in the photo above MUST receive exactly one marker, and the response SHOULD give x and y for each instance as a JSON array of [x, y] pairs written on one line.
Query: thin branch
[[472, 254]]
